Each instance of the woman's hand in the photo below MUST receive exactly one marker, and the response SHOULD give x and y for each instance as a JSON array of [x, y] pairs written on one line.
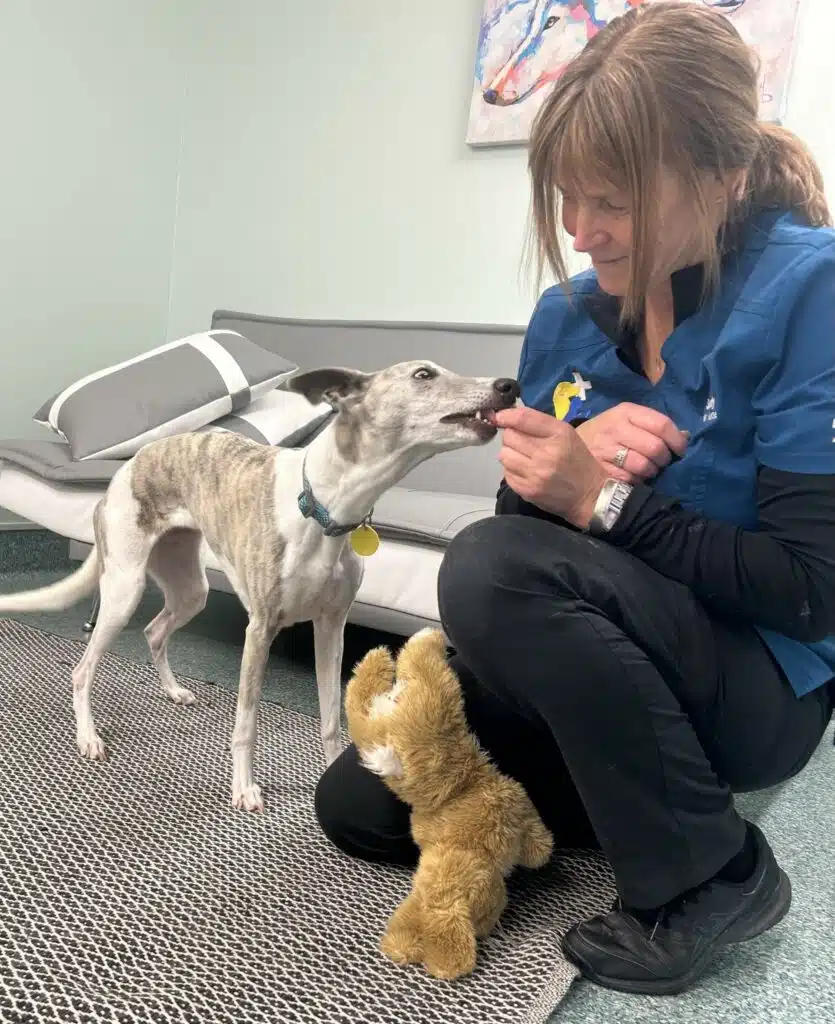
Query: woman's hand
[[649, 438], [547, 464]]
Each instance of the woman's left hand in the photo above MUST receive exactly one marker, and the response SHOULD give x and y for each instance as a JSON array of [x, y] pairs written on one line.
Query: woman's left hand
[[547, 464]]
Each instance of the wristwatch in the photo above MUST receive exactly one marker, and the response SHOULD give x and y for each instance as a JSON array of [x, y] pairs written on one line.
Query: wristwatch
[[608, 507]]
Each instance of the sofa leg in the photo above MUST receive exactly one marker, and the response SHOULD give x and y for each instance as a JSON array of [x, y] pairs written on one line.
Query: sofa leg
[[90, 624]]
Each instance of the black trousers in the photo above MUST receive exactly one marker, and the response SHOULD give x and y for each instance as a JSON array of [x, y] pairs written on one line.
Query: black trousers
[[630, 714]]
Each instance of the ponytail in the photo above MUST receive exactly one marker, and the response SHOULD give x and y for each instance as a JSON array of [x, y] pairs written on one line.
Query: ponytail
[[785, 175]]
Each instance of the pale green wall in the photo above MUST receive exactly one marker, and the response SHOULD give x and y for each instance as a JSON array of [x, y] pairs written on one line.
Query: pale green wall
[[325, 172], [90, 114]]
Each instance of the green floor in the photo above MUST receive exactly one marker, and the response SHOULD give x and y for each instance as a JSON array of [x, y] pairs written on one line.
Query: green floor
[[785, 977]]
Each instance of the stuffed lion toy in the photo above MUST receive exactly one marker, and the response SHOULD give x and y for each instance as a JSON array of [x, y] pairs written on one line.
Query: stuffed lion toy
[[471, 823]]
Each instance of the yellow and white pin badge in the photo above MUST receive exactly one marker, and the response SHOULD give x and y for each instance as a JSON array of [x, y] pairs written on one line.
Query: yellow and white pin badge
[[566, 391]]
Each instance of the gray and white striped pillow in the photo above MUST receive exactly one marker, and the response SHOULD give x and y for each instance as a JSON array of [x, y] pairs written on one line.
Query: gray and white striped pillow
[[180, 386]]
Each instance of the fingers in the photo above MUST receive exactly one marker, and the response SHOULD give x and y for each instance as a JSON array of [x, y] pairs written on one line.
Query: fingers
[[661, 426], [622, 474], [635, 467], [514, 462], [648, 453], [522, 444], [528, 421]]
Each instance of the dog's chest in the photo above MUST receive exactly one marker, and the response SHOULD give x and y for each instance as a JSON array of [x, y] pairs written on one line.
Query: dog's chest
[[313, 583]]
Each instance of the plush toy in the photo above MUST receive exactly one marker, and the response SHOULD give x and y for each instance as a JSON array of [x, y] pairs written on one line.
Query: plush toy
[[471, 823]]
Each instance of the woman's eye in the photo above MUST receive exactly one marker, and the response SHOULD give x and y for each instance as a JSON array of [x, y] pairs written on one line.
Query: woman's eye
[[550, 22]]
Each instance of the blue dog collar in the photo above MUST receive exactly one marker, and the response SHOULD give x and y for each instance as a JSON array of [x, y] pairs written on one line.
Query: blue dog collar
[[311, 508]]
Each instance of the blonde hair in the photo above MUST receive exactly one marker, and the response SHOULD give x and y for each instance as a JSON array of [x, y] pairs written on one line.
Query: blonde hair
[[666, 85]]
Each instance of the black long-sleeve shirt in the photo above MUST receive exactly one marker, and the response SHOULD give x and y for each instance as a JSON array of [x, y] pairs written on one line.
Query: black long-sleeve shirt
[[780, 576]]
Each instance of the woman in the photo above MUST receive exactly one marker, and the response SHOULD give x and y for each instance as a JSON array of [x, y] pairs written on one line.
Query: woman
[[645, 627]]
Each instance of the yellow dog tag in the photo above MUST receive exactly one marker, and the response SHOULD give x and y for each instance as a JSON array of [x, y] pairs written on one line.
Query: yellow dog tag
[[365, 540], [563, 393]]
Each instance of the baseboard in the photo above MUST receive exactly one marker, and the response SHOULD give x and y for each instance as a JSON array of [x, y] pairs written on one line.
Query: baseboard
[[9, 521]]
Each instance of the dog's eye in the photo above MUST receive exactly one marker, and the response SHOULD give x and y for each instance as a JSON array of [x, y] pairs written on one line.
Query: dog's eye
[[424, 373]]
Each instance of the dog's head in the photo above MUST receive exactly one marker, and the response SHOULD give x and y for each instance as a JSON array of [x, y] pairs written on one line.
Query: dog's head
[[415, 405]]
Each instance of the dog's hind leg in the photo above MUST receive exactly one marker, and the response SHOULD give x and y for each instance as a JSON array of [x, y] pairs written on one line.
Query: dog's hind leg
[[329, 644], [177, 568], [260, 633], [121, 588]]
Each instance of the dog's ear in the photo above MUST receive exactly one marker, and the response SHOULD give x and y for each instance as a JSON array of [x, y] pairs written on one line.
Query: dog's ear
[[332, 384]]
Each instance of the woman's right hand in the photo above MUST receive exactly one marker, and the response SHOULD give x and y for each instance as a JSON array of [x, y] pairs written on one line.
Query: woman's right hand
[[649, 437]]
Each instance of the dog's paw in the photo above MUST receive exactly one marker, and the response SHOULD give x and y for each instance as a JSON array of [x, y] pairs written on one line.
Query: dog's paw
[[91, 746], [248, 799], [180, 695]]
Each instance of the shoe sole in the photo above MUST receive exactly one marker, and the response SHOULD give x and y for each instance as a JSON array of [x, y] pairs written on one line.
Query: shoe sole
[[770, 915]]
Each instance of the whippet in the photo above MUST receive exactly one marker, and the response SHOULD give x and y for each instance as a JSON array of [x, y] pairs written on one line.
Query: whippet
[[278, 522]]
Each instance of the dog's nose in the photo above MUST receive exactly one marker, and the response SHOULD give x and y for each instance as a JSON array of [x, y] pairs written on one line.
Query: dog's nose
[[507, 388], [490, 96]]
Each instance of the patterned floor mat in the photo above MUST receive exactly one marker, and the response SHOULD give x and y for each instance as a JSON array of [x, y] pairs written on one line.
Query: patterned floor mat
[[131, 891]]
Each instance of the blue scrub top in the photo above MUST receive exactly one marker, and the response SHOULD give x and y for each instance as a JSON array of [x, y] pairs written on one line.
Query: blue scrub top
[[750, 373]]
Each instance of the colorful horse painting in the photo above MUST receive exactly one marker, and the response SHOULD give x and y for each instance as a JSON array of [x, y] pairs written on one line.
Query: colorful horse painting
[[524, 45]]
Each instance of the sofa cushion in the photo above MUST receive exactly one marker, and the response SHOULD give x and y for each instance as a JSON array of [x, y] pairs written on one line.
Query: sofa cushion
[[425, 517], [179, 386], [428, 516], [53, 461]]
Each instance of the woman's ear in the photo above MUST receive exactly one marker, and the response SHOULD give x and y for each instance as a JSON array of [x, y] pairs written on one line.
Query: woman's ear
[[731, 186]]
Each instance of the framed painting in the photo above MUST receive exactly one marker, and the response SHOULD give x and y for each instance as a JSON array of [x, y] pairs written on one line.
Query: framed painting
[[523, 46]]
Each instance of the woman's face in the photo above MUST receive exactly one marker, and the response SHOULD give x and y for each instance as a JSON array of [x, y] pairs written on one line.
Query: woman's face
[[599, 220]]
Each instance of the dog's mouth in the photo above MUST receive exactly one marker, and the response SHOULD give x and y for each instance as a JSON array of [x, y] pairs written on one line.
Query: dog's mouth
[[481, 420]]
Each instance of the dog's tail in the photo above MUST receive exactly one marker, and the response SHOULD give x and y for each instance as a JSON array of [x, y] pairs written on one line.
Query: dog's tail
[[57, 596]]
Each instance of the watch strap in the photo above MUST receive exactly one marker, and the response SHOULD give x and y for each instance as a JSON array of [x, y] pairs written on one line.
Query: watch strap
[[608, 507]]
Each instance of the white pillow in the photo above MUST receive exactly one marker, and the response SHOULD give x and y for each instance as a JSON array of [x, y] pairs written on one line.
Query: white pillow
[[280, 417]]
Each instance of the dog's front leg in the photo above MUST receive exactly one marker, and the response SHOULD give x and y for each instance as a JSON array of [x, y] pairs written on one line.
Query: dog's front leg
[[260, 634], [329, 642]]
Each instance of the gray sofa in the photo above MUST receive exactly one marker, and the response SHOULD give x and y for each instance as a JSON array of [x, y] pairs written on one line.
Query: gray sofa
[[415, 520]]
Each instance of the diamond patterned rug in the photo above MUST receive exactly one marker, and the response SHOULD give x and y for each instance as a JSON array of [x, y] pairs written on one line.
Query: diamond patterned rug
[[131, 891]]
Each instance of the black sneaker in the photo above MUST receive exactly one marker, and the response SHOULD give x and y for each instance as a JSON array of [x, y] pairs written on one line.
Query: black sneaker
[[664, 955]]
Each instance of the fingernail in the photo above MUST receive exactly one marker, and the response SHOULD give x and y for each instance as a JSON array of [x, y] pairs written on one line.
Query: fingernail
[[686, 434]]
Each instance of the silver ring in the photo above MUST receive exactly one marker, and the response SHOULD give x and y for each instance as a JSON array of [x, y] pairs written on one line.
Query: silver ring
[[620, 457]]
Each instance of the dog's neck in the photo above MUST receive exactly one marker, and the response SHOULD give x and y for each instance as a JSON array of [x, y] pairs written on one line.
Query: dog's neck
[[346, 491]]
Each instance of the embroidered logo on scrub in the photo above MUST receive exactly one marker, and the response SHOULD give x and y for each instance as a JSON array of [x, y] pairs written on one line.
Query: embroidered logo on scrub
[[566, 391]]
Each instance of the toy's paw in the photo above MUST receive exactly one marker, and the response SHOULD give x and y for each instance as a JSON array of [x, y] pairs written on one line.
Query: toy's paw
[[450, 963], [430, 637], [537, 845], [401, 946], [449, 944], [402, 939]]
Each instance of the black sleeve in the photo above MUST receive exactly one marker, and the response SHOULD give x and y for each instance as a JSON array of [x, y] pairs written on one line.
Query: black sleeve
[[780, 576]]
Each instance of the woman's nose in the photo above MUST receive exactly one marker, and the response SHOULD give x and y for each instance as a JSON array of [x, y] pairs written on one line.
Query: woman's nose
[[587, 235]]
